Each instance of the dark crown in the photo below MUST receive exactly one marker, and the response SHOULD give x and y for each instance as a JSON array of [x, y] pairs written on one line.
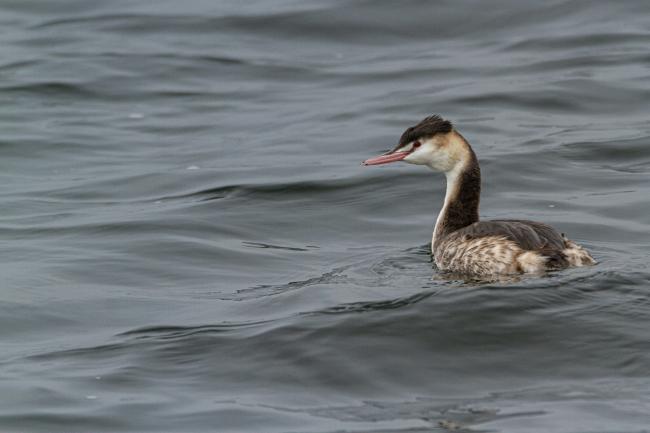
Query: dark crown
[[428, 127]]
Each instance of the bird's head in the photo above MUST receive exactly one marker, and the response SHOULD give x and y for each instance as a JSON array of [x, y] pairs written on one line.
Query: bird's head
[[432, 142]]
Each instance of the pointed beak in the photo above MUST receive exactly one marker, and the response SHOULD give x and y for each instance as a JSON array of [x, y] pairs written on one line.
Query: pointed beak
[[386, 158]]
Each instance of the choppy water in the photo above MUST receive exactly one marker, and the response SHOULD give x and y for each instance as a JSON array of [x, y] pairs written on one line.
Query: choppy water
[[190, 245]]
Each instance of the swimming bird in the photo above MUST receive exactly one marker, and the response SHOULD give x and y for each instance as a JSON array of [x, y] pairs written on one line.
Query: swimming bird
[[462, 243]]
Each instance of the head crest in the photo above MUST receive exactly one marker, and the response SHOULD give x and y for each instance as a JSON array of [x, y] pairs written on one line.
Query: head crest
[[428, 127]]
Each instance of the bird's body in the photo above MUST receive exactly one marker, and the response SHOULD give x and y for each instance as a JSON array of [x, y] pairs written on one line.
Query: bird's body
[[507, 247], [462, 243]]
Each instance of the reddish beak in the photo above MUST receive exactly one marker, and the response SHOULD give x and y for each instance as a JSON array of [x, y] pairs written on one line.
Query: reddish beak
[[386, 158]]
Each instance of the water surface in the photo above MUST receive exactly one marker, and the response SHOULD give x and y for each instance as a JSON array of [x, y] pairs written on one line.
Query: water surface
[[191, 245]]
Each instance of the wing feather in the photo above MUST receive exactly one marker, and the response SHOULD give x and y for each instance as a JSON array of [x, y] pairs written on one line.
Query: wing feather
[[528, 235]]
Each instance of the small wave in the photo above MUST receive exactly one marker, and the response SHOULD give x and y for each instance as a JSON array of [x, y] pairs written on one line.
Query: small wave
[[286, 190], [532, 100], [391, 304], [52, 88], [565, 42], [179, 332], [154, 335], [274, 247], [335, 276], [635, 151], [18, 64]]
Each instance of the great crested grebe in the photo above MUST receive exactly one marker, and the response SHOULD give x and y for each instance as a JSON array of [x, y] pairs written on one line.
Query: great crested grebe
[[461, 243]]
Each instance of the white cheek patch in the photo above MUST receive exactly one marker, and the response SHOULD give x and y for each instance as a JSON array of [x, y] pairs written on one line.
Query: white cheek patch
[[418, 156], [441, 161], [423, 154]]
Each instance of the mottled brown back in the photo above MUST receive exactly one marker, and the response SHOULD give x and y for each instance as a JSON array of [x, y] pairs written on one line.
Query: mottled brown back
[[528, 235]]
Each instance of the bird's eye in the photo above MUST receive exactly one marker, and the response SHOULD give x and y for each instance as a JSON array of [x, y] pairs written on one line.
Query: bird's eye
[[416, 144]]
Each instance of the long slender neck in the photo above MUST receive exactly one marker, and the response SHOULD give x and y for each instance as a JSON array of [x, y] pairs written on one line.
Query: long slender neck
[[462, 196]]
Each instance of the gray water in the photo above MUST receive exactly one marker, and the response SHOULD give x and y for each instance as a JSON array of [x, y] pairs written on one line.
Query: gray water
[[189, 242]]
